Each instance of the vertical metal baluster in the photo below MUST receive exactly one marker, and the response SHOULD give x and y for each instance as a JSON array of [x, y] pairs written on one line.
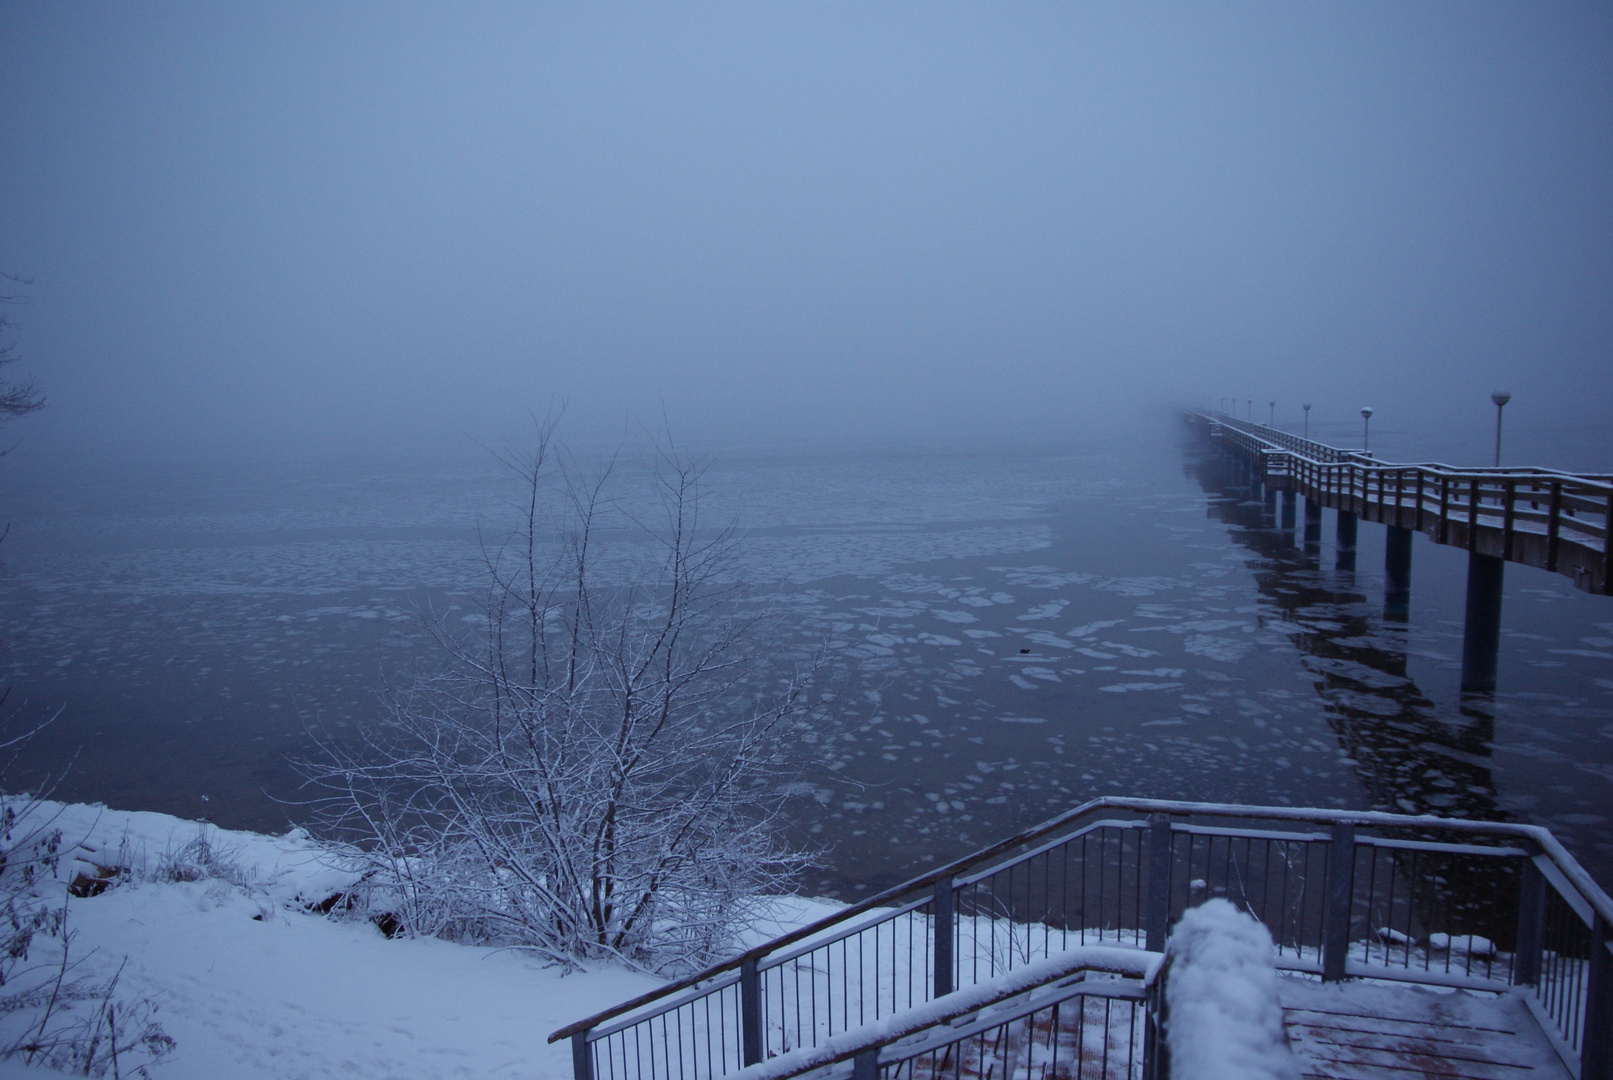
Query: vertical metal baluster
[[678, 1021], [1047, 904], [722, 1031], [812, 989], [1286, 859], [1085, 866], [1372, 893], [1064, 895]]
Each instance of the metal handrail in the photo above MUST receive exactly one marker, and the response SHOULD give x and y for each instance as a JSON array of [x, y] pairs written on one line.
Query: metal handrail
[[878, 900], [1597, 484], [1136, 964], [1334, 887], [1549, 846]]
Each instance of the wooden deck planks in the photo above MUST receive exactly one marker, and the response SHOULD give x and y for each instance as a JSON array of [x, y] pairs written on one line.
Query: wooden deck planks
[[1371, 1031]]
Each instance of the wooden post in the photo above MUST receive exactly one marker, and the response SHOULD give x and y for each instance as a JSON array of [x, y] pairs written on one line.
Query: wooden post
[[1444, 509], [865, 1066], [1554, 524], [1508, 519]]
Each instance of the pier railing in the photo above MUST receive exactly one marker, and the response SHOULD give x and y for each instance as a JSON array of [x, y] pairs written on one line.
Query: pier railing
[[1551, 520], [1477, 905]]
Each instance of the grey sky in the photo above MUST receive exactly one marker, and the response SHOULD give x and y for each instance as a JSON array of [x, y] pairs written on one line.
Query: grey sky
[[296, 226]]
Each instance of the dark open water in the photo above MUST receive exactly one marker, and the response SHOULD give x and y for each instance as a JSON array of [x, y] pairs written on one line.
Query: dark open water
[[1027, 629]]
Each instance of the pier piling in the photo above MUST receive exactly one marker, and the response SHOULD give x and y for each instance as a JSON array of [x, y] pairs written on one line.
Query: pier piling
[[1481, 629], [1560, 522], [1397, 574], [1344, 542]]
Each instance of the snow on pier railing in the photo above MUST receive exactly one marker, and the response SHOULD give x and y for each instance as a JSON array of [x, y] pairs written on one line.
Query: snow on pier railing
[[1435, 901], [1555, 521]]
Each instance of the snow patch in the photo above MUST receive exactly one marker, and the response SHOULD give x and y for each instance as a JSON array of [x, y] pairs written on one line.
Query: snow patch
[[1224, 1020], [1469, 944]]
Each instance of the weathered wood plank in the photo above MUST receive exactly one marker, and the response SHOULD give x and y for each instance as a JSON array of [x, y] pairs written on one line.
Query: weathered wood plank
[[1361, 1030]]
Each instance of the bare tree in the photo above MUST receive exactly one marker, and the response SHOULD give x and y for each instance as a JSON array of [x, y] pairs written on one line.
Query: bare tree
[[593, 774], [17, 398]]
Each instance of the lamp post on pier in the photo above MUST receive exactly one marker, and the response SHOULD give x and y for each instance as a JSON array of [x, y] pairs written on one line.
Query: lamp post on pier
[[1271, 419], [1500, 397], [1307, 409], [1366, 429]]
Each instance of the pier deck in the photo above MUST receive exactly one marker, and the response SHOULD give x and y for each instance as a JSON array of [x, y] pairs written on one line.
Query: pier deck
[[1559, 522], [1372, 1031]]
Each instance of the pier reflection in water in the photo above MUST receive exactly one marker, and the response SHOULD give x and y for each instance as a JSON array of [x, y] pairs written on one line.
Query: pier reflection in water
[[1413, 755]]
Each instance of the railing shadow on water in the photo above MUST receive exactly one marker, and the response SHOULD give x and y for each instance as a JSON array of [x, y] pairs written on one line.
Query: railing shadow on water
[[1344, 894]]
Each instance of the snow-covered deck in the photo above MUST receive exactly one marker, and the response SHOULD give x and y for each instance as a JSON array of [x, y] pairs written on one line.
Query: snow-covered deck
[[1363, 1030]]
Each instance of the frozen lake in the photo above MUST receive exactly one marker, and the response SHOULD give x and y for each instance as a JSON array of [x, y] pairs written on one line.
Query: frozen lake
[[1025, 629]]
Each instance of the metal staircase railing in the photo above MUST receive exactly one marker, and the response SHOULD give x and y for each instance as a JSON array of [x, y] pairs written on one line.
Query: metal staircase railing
[[1345, 894], [1088, 1004]]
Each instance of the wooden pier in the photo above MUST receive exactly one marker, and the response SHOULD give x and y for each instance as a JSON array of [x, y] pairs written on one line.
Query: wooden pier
[[1553, 521]]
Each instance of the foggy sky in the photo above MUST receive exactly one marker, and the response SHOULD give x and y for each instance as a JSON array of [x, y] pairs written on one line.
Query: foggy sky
[[274, 228]]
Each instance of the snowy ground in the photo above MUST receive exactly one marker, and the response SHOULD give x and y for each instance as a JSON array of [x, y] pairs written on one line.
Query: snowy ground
[[251, 985]]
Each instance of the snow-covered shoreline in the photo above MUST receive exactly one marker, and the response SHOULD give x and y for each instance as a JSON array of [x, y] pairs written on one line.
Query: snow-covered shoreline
[[250, 984]]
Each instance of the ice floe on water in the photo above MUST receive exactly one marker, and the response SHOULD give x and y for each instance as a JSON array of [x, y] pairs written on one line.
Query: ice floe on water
[[958, 587], [1226, 650], [1050, 610]]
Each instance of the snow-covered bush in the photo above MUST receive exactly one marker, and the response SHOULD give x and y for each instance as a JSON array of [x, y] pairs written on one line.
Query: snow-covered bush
[[1223, 1020], [51, 1012], [199, 858], [590, 774]]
